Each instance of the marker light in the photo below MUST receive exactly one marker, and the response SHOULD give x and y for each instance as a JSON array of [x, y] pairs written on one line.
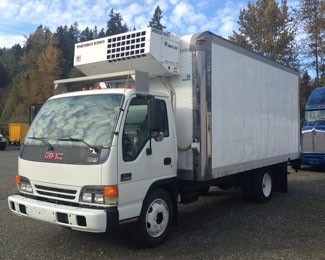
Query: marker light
[[201, 42]]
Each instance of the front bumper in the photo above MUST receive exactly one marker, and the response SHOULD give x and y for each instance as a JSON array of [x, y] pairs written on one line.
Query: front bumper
[[83, 219], [313, 159]]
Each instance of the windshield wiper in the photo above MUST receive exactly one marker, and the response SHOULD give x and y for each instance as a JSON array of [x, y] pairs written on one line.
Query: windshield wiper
[[44, 140], [93, 150]]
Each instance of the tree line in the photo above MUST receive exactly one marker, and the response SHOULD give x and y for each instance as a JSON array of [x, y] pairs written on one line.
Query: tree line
[[292, 37]]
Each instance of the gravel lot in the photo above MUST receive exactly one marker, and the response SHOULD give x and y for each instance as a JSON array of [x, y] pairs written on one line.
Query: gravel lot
[[219, 226]]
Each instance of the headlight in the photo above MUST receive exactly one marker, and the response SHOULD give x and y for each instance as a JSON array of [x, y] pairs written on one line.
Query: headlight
[[99, 195], [23, 184]]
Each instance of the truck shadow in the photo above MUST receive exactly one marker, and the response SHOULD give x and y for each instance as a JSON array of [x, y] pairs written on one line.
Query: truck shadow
[[313, 168]]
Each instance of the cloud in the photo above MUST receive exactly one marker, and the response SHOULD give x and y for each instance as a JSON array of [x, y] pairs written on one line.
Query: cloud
[[180, 16], [8, 40], [227, 18]]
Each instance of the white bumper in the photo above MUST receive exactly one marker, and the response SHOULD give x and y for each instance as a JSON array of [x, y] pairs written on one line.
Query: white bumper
[[83, 219]]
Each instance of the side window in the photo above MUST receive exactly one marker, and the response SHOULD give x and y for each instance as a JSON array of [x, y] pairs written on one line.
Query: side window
[[136, 132]]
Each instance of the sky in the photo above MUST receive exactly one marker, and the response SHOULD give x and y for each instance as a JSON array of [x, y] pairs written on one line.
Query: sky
[[20, 18]]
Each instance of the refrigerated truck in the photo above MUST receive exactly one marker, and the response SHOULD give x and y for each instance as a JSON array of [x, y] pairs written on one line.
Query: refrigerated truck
[[161, 118]]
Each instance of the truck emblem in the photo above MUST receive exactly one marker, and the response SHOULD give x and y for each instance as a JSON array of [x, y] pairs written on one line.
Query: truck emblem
[[313, 132], [53, 156]]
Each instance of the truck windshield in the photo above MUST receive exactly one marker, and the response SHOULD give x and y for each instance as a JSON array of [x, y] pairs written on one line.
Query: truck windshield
[[88, 118], [315, 115]]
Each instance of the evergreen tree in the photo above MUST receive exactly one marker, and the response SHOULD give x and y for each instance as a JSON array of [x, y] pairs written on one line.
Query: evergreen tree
[[114, 24], [264, 27], [66, 37], [3, 76], [306, 87], [311, 17], [86, 35], [101, 33], [156, 19]]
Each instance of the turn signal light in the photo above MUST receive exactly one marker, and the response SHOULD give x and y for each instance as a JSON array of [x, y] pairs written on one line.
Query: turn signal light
[[18, 180], [111, 191]]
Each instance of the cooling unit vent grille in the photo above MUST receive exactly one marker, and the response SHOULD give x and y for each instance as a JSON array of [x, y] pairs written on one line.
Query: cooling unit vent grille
[[126, 47]]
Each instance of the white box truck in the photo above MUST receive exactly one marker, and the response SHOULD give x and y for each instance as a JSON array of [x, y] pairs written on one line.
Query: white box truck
[[161, 118]]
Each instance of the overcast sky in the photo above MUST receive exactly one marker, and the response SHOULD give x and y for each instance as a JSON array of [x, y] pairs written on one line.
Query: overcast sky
[[21, 17]]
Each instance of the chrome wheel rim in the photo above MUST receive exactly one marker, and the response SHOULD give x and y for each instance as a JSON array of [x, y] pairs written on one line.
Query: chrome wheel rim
[[157, 218], [266, 185]]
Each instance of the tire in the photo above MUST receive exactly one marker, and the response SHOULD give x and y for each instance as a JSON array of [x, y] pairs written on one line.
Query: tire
[[155, 219], [258, 186], [263, 186]]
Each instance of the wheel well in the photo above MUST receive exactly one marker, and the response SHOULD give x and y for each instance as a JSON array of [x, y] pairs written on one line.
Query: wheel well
[[168, 185]]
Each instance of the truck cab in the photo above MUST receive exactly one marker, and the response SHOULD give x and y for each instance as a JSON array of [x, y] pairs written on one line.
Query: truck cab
[[94, 155], [313, 131]]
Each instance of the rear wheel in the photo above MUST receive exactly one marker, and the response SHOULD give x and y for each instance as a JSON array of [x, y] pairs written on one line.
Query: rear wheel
[[258, 186], [263, 186], [155, 220]]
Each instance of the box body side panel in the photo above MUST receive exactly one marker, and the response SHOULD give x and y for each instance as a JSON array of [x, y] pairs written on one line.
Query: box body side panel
[[254, 112]]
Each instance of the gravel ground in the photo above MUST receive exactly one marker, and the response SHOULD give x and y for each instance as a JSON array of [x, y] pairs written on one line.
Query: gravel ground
[[219, 226]]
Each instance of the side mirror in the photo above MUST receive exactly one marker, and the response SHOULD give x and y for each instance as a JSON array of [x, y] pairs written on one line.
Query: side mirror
[[158, 136]]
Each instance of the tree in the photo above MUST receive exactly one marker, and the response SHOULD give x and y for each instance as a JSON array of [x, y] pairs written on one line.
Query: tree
[[306, 87], [310, 15], [66, 37], [86, 35], [3, 76], [156, 18], [114, 24], [101, 33], [266, 28], [41, 63]]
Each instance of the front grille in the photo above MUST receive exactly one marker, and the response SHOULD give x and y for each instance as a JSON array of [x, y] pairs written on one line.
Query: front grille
[[319, 140], [307, 142], [313, 141], [53, 192]]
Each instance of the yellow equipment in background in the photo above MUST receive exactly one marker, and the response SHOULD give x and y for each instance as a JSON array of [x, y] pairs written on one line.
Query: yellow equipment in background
[[17, 133]]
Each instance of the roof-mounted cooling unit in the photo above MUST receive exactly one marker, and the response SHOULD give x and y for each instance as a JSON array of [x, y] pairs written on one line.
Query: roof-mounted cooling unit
[[149, 50]]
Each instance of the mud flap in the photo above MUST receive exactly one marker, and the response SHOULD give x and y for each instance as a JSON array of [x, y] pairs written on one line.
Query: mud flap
[[280, 178]]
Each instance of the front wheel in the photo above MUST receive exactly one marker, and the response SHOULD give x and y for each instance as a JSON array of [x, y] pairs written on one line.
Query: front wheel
[[155, 220]]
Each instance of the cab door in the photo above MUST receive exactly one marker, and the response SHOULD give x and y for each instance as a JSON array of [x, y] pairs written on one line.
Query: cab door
[[142, 159]]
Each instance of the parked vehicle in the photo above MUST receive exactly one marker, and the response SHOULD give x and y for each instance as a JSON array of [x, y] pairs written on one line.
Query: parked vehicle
[[3, 142], [165, 118], [313, 131]]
